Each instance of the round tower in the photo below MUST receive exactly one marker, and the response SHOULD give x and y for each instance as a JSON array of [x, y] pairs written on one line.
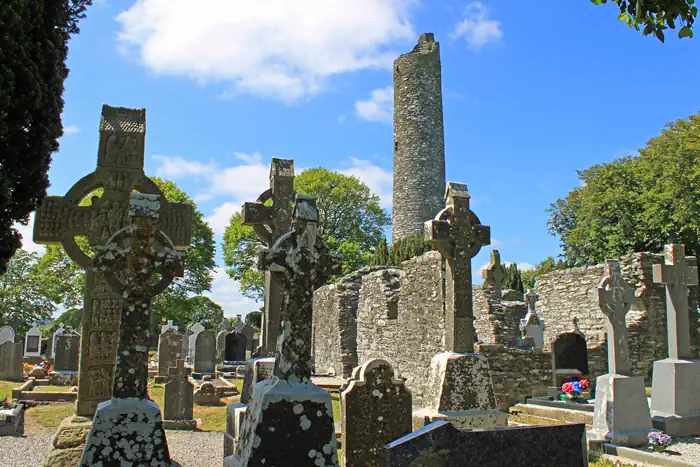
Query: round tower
[[419, 142]]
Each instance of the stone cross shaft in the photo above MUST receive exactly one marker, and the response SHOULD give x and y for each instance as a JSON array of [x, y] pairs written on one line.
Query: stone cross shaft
[[531, 298], [458, 235], [271, 221], [676, 275], [130, 260], [494, 275], [300, 262], [179, 374], [60, 219], [615, 297]]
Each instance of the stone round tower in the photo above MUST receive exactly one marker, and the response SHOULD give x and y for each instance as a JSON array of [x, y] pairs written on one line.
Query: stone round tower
[[419, 143]]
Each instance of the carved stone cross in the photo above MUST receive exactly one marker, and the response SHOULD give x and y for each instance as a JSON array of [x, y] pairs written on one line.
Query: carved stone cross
[[300, 262], [531, 298], [60, 220], [677, 276], [458, 235], [615, 297], [271, 222], [494, 275]]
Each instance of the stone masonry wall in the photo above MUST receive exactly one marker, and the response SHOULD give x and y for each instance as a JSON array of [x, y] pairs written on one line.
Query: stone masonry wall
[[497, 320], [419, 143], [573, 293]]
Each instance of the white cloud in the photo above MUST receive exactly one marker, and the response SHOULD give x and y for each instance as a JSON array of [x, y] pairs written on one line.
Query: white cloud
[[378, 180], [526, 266], [27, 232], [173, 168], [227, 293], [476, 28], [496, 242], [379, 107], [70, 130], [276, 48], [221, 216]]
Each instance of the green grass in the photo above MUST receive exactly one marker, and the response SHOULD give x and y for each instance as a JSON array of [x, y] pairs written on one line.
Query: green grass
[[336, 406], [51, 415], [51, 388], [6, 388], [648, 391]]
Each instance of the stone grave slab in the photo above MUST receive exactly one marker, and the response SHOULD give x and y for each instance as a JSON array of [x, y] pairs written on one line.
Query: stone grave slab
[[7, 334], [67, 352], [257, 369], [207, 394], [235, 347], [179, 400], [11, 368], [440, 444], [192, 333], [169, 351], [205, 353], [221, 344], [32, 343]]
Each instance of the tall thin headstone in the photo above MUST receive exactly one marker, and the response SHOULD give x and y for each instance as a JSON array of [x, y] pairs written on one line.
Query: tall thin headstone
[[494, 274], [11, 361], [675, 407], [191, 337], [376, 410], [460, 387], [532, 327], [169, 351], [128, 429], [270, 222], [59, 220], [205, 352], [621, 408], [301, 262], [67, 352], [178, 401]]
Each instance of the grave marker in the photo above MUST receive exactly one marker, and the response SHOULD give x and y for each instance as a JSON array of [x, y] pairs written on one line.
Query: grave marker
[[205, 353], [169, 351], [532, 327], [178, 401], [495, 274], [7, 334], [67, 352], [32, 343], [11, 361]]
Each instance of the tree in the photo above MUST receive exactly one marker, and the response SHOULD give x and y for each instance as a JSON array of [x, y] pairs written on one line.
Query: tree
[[514, 279], [254, 319], [406, 248], [33, 50], [529, 277], [350, 222], [201, 309], [380, 257], [24, 299], [635, 203], [655, 16]]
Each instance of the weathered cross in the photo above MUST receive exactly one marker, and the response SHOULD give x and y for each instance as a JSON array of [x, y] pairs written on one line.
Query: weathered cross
[[60, 220], [677, 276], [300, 262], [531, 298], [495, 273], [615, 297], [270, 223], [178, 376], [458, 235]]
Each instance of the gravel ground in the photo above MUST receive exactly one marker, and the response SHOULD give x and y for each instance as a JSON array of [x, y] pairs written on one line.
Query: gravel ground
[[683, 449], [198, 449]]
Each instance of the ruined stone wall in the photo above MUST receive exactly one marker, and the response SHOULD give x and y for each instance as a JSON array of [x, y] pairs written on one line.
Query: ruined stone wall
[[497, 319], [573, 293], [419, 144], [410, 337]]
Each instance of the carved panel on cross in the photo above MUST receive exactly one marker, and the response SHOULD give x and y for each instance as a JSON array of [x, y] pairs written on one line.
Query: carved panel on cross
[[103, 345], [106, 313], [100, 382]]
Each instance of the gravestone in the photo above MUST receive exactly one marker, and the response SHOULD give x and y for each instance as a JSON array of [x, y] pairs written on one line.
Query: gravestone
[[460, 387], [179, 399], [235, 347], [569, 352], [532, 327], [224, 325], [67, 352], [206, 394], [169, 325], [675, 407], [442, 445], [257, 370], [59, 220], [11, 361], [270, 222], [494, 275], [376, 409], [32, 343], [7, 334], [221, 344], [169, 352], [205, 352], [194, 331], [290, 420], [138, 262], [51, 351], [621, 409]]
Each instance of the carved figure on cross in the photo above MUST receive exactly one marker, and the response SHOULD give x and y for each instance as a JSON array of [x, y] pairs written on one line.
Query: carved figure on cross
[[615, 297], [457, 233], [676, 275]]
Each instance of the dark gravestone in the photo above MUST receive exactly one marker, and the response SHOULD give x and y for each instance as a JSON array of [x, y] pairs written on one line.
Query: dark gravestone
[[11, 361], [569, 352], [67, 352], [235, 347], [179, 399], [442, 445]]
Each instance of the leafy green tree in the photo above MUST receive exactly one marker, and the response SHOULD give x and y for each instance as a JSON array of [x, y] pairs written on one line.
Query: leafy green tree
[[380, 257], [350, 221], [202, 309], [406, 248], [33, 50], [254, 319], [655, 16], [635, 203], [529, 277], [24, 298], [514, 279]]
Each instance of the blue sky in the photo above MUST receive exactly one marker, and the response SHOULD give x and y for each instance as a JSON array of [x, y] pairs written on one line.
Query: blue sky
[[532, 92]]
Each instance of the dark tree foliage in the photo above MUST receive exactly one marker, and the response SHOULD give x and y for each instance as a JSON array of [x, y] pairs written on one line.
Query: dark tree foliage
[[655, 16], [514, 278], [254, 319], [380, 256], [406, 248], [33, 48]]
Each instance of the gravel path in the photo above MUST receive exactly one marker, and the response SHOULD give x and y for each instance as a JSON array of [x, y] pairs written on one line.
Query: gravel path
[[198, 449], [683, 449]]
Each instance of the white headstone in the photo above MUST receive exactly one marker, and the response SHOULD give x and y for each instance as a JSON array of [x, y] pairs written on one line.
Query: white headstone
[[32, 343], [7, 334], [195, 330], [59, 332], [532, 327]]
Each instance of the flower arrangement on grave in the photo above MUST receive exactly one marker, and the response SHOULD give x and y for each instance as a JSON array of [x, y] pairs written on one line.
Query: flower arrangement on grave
[[659, 441], [74, 389], [6, 407], [573, 389], [27, 368], [46, 366]]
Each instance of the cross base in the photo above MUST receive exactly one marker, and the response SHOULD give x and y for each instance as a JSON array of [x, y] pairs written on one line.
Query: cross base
[[675, 407], [126, 432]]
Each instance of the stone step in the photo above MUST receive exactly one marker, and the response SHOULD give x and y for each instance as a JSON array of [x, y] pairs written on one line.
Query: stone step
[[555, 413]]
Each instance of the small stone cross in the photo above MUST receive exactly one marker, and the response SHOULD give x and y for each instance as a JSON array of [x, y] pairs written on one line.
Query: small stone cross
[[300, 262], [495, 273], [130, 259], [677, 276], [271, 222], [458, 235], [531, 298], [615, 297]]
